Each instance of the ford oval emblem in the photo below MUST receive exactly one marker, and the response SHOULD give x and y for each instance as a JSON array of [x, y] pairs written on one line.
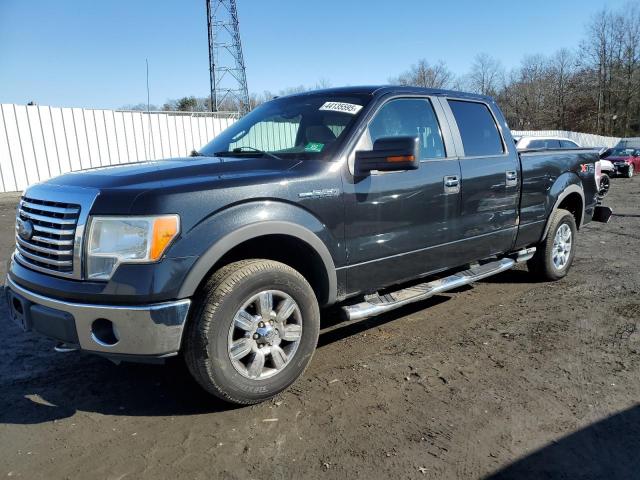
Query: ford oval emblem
[[25, 229]]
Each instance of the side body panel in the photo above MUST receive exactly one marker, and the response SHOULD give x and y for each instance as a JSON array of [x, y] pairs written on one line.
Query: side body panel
[[548, 177], [399, 223]]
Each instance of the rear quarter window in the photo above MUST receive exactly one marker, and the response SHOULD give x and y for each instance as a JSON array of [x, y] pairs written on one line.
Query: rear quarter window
[[567, 144], [546, 144], [478, 129]]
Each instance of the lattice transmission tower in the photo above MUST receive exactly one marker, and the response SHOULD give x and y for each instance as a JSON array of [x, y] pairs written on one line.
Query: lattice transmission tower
[[226, 64]]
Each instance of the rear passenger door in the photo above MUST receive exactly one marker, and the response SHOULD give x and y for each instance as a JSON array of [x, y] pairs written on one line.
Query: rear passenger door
[[490, 179]]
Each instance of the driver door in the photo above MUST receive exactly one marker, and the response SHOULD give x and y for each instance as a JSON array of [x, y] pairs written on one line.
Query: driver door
[[398, 224]]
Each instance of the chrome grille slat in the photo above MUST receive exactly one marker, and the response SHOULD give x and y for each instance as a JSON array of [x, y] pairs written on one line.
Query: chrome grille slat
[[50, 248], [53, 241], [38, 258], [38, 248], [53, 231], [49, 208], [47, 219]]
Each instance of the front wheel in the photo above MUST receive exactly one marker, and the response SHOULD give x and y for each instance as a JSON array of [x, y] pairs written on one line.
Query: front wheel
[[253, 331], [630, 171], [554, 255]]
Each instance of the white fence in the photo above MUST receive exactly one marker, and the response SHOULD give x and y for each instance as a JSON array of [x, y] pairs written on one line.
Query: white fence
[[583, 139], [40, 142]]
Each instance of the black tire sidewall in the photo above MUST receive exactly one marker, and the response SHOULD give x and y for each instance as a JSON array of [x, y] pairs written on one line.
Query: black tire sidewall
[[222, 372], [605, 179]]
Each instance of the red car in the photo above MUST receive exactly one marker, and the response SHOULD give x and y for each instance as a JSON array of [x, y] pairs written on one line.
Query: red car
[[625, 160]]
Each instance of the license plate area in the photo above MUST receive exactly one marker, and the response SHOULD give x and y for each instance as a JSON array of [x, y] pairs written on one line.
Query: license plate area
[[19, 309]]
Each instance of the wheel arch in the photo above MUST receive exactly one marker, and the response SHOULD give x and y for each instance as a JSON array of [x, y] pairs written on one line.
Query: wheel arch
[[570, 198], [283, 241]]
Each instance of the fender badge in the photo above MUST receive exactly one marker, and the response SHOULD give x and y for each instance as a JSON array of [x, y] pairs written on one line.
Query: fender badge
[[327, 192]]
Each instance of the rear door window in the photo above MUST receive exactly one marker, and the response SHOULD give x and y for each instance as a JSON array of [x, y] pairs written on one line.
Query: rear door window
[[478, 129]]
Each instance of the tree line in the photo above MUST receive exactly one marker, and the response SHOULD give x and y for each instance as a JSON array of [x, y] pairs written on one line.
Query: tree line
[[593, 88]]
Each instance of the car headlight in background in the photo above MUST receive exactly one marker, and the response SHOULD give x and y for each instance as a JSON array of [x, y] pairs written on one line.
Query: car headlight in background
[[116, 240]]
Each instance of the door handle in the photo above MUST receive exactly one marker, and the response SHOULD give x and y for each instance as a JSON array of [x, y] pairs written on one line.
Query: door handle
[[451, 184], [511, 178]]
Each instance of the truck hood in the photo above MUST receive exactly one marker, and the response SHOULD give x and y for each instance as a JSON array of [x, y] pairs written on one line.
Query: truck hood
[[619, 159], [176, 171]]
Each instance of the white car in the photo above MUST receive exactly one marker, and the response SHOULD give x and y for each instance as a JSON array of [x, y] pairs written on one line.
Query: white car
[[544, 143]]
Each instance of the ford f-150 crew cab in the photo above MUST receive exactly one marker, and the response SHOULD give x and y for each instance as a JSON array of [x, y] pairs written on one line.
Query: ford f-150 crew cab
[[364, 197]]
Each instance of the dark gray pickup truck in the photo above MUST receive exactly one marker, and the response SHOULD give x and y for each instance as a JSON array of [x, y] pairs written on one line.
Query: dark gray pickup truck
[[364, 197]]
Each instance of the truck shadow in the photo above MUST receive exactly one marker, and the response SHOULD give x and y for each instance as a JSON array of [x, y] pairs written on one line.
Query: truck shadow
[[39, 385], [605, 449], [334, 328], [513, 276]]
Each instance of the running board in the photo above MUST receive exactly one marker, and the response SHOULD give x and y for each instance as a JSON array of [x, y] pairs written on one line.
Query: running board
[[376, 304]]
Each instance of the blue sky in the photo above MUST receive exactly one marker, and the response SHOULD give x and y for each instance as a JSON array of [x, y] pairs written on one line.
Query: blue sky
[[92, 53]]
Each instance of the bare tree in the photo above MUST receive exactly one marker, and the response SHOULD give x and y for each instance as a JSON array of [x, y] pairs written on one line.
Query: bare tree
[[486, 75], [423, 74], [561, 70]]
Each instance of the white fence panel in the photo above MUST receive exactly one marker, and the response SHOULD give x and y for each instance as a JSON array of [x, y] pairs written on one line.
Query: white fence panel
[[583, 139], [40, 142]]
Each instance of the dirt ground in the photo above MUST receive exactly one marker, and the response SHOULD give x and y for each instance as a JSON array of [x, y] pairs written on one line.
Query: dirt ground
[[506, 379]]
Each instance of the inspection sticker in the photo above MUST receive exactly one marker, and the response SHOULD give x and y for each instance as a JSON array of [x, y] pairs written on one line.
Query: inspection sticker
[[314, 147], [350, 108]]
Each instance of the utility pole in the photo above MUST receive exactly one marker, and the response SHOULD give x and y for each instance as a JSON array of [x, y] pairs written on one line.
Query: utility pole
[[227, 74]]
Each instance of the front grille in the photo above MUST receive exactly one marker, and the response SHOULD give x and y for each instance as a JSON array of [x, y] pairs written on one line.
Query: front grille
[[50, 244]]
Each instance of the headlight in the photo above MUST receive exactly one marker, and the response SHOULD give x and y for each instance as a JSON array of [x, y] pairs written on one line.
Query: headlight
[[116, 240]]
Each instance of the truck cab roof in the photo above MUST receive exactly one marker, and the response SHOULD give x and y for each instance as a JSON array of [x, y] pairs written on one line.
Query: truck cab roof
[[379, 90]]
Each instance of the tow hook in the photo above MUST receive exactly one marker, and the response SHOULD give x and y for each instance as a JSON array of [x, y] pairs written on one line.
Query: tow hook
[[66, 348]]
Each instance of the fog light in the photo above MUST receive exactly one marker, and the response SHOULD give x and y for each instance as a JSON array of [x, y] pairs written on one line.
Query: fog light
[[104, 332]]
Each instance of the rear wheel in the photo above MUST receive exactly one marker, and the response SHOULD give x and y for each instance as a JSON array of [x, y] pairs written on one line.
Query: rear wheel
[[253, 332], [605, 184], [554, 255]]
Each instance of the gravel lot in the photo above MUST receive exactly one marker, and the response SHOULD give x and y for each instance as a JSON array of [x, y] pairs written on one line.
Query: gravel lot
[[508, 379]]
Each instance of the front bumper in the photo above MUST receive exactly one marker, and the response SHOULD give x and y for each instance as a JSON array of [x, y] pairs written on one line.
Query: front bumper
[[142, 330]]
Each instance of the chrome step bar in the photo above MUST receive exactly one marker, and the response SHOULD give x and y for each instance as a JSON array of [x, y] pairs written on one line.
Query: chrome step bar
[[376, 304], [66, 347]]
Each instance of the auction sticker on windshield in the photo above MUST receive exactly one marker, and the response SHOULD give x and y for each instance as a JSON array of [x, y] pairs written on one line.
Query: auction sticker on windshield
[[350, 108], [314, 147]]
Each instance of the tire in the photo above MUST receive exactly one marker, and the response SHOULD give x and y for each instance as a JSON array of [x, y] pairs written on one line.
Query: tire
[[542, 264], [605, 184], [630, 171], [214, 328]]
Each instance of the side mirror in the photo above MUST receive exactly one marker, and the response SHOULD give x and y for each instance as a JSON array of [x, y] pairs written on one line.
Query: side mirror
[[389, 154]]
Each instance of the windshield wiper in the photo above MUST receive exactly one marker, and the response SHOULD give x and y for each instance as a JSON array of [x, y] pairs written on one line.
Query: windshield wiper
[[250, 149]]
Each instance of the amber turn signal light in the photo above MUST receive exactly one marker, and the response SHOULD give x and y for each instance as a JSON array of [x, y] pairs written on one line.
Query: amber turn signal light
[[165, 229], [401, 158]]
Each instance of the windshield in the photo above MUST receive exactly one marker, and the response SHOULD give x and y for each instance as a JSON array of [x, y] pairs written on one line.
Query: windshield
[[301, 127], [623, 152]]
